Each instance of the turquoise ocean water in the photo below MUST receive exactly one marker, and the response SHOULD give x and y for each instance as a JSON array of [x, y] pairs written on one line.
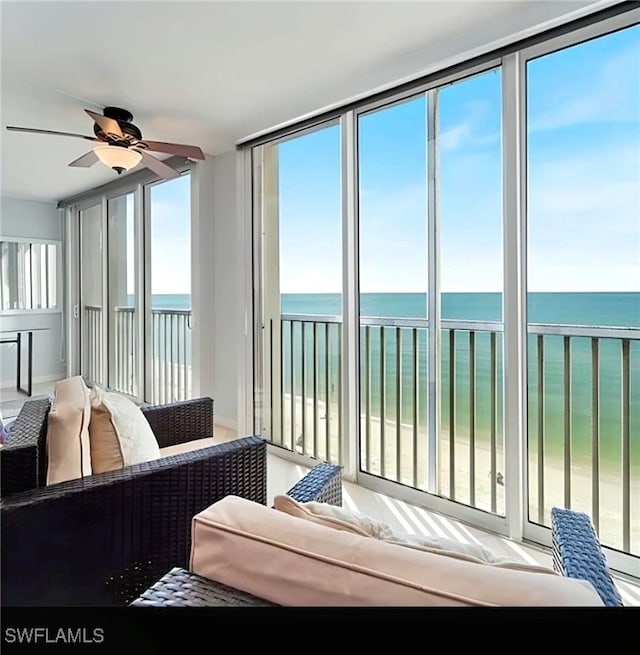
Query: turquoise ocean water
[[580, 309]]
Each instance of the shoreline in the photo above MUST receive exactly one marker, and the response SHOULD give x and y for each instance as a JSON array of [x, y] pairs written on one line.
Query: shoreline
[[581, 484]]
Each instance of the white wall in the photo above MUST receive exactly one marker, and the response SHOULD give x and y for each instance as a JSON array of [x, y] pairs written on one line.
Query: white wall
[[32, 220], [29, 219], [228, 296], [216, 296]]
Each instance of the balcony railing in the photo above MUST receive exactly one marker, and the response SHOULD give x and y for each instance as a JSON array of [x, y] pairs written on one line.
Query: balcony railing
[[124, 367], [171, 355], [168, 354], [581, 412], [92, 344]]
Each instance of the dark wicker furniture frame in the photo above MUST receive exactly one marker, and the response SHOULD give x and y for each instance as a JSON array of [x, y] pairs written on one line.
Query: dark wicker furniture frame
[[576, 554], [124, 537], [104, 539], [182, 588]]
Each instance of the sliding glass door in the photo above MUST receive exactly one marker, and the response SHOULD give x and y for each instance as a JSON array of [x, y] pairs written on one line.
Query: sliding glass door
[[583, 284], [478, 237], [300, 263], [393, 273], [124, 298], [92, 308], [430, 277], [468, 198], [135, 291], [168, 278]]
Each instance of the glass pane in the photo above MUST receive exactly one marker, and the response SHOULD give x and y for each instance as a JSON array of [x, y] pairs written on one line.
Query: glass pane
[[583, 116], [91, 295], [301, 308], [25, 288], [123, 316], [39, 283], [169, 362], [310, 264], [52, 278], [469, 196], [10, 280], [392, 160]]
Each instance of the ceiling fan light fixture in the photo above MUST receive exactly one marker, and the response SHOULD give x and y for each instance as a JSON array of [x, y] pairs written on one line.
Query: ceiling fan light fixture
[[117, 157]]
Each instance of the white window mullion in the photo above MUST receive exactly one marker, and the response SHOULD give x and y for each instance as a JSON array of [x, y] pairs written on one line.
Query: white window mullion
[[71, 295], [149, 385], [433, 295], [140, 302], [350, 424], [104, 309], [247, 242], [514, 299]]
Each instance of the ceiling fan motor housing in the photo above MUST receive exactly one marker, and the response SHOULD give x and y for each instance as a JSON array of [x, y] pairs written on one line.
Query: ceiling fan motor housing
[[123, 117]]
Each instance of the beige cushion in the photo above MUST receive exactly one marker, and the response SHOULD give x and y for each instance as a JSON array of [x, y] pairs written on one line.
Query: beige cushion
[[68, 451], [341, 518], [119, 433], [187, 446], [294, 562]]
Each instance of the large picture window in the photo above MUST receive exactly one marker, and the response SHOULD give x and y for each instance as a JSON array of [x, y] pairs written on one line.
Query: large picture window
[[479, 234], [583, 284]]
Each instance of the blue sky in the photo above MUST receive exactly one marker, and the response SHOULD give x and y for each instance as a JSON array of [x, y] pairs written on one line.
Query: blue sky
[[583, 119], [583, 165], [171, 236]]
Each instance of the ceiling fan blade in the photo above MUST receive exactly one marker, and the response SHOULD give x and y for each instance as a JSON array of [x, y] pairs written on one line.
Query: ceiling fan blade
[[36, 131], [107, 125], [179, 149], [87, 160], [158, 167]]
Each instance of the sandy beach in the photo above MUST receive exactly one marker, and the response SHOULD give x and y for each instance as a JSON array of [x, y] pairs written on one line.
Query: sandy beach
[[610, 484]]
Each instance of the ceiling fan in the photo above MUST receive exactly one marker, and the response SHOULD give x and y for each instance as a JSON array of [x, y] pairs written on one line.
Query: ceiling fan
[[121, 146]]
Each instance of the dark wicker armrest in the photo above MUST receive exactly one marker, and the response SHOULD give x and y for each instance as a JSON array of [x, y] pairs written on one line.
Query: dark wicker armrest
[[181, 588], [322, 484], [103, 539], [23, 456], [577, 553], [181, 421]]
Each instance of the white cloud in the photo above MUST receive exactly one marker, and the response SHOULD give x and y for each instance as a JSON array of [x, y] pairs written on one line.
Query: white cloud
[[610, 92], [584, 222], [455, 136]]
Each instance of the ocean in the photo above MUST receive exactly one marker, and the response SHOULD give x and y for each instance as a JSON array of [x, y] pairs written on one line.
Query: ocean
[[616, 309]]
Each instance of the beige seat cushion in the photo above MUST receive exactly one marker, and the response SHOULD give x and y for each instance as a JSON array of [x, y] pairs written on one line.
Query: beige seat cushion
[[119, 433], [295, 562], [341, 518], [68, 448], [187, 446]]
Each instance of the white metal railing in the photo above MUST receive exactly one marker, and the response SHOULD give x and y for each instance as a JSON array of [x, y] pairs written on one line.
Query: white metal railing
[[169, 353], [307, 407], [92, 344]]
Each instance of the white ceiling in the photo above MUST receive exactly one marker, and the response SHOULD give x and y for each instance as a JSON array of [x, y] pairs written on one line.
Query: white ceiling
[[212, 73]]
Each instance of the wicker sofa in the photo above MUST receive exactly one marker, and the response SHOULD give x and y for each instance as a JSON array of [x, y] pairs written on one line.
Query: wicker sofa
[[124, 537], [102, 539], [576, 555]]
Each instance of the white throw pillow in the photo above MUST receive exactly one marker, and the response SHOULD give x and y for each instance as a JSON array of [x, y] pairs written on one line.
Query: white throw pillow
[[358, 523], [119, 433]]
